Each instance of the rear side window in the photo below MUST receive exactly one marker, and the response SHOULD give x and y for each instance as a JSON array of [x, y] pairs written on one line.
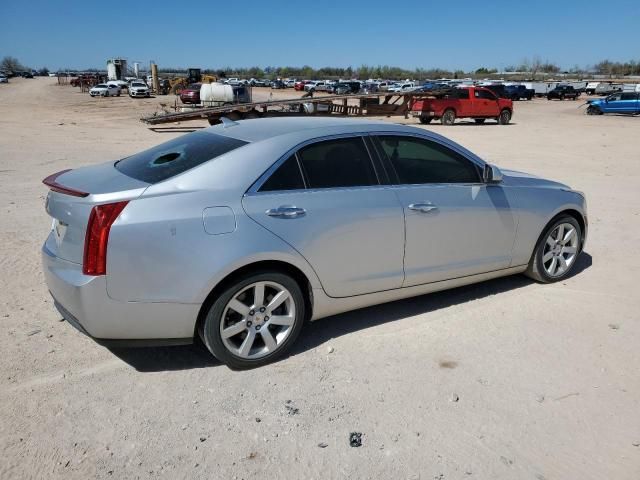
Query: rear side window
[[176, 156], [418, 161], [343, 162], [287, 177]]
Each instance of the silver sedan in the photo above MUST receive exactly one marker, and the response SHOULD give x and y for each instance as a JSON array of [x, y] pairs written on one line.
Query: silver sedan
[[242, 232]]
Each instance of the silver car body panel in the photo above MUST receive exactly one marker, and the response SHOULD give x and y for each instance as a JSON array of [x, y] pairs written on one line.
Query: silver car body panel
[[178, 239]]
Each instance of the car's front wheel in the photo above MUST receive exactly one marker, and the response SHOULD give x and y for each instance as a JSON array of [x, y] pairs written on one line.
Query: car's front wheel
[[557, 250], [505, 117], [254, 320]]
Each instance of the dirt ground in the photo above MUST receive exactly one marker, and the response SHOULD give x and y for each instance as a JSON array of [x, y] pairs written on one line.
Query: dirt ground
[[507, 379]]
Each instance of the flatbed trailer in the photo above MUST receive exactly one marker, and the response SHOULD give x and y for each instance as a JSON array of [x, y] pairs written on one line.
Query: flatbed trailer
[[369, 104]]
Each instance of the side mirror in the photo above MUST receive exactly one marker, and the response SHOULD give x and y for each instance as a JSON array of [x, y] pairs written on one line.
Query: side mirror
[[491, 174]]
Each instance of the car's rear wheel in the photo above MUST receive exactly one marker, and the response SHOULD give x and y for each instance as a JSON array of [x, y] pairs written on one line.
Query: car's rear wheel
[[425, 120], [505, 117], [448, 117], [557, 250], [255, 320]]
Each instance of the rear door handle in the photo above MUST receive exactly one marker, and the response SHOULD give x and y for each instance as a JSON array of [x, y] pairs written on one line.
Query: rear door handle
[[423, 207], [286, 211]]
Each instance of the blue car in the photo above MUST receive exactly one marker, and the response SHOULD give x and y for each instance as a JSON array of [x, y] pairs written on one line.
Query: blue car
[[621, 102]]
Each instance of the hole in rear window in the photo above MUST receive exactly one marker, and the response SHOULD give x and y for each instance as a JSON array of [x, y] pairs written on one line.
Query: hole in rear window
[[176, 156]]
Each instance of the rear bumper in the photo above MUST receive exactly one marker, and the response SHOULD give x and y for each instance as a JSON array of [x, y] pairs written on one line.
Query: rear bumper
[[83, 301]]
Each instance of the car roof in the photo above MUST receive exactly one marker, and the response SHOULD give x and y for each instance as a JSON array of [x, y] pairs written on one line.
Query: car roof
[[264, 128]]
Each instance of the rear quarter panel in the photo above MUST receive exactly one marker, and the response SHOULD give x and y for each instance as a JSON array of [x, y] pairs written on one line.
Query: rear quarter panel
[[159, 250]]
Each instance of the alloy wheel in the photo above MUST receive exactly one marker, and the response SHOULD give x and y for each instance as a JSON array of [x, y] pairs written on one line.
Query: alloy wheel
[[258, 320], [560, 249]]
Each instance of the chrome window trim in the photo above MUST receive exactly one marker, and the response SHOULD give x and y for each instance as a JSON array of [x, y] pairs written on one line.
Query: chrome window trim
[[254, 189]]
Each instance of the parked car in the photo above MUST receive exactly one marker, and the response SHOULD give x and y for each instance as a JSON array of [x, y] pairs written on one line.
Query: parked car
[[232, 81], [302, 228], [138, 88], [563, 91], [289, 82], [402, 87], [299, 85], [26, 75], [3, 79], [191, 94], [370, 88], [622, 102], [121, 84], [518, 92], [315, 85], [105, 90], [478, 103], [498, 89], [344, 88], [278, 85]]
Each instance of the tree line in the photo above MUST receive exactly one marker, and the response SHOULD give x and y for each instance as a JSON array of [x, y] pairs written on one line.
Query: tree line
[[531, 67]]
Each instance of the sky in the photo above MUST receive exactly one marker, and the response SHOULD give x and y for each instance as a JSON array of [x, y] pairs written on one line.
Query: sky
[[456, 34]]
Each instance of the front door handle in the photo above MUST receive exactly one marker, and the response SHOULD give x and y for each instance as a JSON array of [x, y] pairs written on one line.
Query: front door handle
[[423, 207], [286, 211]]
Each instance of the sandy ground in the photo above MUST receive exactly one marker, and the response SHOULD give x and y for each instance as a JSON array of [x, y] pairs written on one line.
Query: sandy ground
[[546, 377]]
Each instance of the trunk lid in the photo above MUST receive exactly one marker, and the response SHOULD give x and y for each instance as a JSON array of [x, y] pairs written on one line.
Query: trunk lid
[[100, 184]]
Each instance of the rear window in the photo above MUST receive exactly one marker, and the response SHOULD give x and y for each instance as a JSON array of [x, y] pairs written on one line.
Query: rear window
[[176, 156]]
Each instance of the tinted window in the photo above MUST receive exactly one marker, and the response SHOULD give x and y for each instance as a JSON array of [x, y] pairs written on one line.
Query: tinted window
[[418, 161], [176, 156], [486, 94], [629, 96], [286, 177], [342, 162]]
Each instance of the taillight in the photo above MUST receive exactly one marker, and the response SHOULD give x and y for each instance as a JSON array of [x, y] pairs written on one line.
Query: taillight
[[97, 237], [51, 182]]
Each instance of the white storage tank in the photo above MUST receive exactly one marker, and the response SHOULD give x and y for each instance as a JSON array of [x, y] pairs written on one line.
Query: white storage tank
[[216, 94]]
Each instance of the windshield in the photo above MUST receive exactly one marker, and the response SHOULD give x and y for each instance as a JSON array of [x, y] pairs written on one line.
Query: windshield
[[138, 84], [176, 156], [102, 85]]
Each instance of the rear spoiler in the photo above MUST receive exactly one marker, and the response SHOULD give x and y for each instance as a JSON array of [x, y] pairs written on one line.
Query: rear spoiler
[[51, 182]]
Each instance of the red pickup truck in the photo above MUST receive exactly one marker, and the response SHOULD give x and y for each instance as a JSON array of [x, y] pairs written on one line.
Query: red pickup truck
[[468, 102]]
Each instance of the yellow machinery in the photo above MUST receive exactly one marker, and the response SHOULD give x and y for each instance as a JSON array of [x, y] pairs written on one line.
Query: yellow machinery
[[194, 75]]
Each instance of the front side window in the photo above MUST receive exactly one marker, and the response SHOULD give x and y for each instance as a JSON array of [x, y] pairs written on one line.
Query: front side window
[[485, 94], [420, 161], [342, 162]]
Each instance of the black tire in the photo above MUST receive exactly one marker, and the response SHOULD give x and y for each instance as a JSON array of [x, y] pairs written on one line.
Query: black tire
[[448, 117], [536, 269], [505, 117], [210, 329], [479, 121], [425, 120]]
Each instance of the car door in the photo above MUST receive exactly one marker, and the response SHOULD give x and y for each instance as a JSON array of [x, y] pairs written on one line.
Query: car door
[[487, 103], [327, 202], [612, 103], [628, 102], [455, 224]]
